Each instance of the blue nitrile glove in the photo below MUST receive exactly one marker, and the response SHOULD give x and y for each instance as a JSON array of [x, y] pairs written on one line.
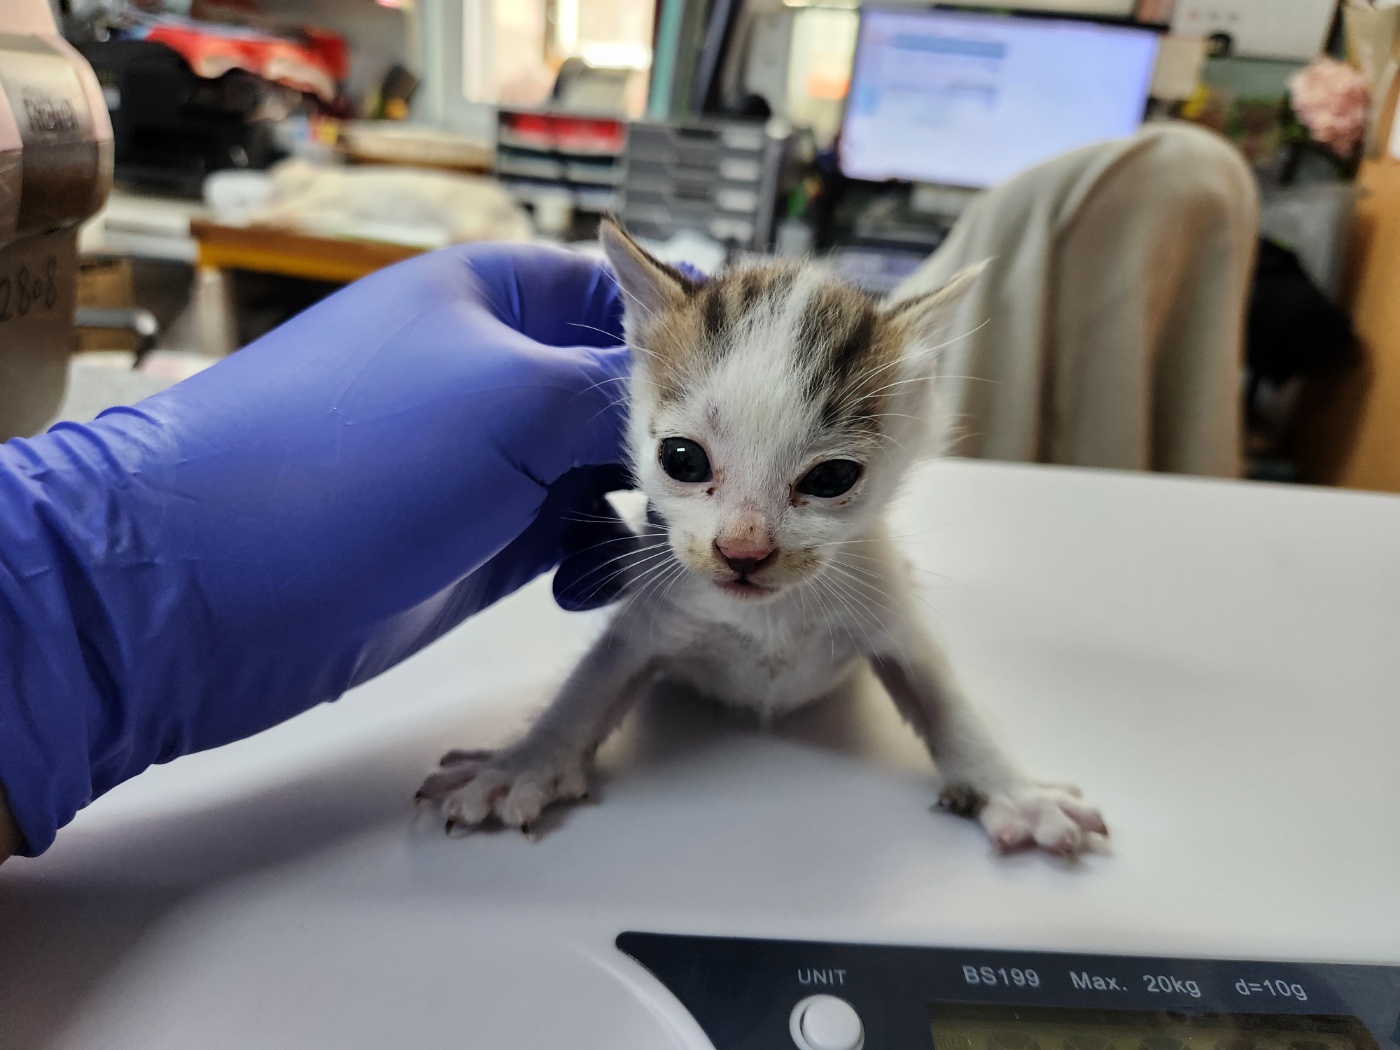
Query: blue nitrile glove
[[302, 516]]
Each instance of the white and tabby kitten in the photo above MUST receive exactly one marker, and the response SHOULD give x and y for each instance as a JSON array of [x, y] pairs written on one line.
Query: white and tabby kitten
[[774, 411]]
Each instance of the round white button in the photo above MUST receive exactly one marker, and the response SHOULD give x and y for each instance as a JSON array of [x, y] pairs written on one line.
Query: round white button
[[825, 1022]]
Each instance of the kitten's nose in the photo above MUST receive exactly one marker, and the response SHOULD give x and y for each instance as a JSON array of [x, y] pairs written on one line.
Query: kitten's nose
[[745, 560]]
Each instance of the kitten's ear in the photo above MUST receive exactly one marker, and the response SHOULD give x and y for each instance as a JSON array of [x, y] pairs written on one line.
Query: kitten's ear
[[648, 284], [929, 322]]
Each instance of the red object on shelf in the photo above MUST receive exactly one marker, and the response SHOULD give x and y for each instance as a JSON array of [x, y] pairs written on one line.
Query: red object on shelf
[[538, 130], [212, 51], [332, 48], [567, 133], [601, 135]]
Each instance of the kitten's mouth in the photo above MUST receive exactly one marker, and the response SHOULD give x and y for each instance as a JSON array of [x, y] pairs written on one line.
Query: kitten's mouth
[[743, 587]]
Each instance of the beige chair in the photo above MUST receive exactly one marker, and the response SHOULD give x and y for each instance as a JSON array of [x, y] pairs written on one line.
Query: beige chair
[[1108, 330]]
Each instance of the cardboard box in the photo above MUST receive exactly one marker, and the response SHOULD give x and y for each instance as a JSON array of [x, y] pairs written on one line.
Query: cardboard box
[[106, 283]]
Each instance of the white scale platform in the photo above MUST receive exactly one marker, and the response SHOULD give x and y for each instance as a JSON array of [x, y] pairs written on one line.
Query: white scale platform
[[1216, 664]]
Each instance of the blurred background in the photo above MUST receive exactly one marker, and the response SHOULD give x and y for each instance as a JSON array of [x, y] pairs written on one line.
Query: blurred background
[[265, 152]]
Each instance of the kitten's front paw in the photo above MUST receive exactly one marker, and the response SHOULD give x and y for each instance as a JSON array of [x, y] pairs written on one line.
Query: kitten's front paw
[[475, 788], [1053, 817]]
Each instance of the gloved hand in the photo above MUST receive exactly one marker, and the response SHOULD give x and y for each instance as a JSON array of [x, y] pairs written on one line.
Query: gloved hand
[[302, 516]]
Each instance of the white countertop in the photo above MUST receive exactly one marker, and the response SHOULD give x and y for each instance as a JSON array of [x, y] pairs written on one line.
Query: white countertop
[[1215, 663]]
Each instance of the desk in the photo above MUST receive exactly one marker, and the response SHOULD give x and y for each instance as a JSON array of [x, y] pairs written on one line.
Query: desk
[[267, 249], [1214, 662], [270, 250]]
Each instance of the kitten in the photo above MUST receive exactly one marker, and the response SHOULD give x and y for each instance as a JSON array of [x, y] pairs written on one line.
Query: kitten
[[774, 411]]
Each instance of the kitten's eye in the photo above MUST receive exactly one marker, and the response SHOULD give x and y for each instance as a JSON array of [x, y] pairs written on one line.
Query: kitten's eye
[[684, 460], [830, 479]]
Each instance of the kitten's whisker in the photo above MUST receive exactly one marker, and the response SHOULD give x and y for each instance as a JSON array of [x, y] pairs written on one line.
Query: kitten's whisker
[[630, 553], [659, 565], [856, 620], [896, 383], [802, 601], [876, 574], [872, 373], [636, 348], [639, 304], [931, 377], [972, 379], [828, 615], [887, 538], [861, 589], [914, 591], [639, 587], [639, 553], [874, 577], [900, 415], [606, 381], [667, 587], [620, 337], [656, 579], [621, 571], [842, 556], [588, 519], [621, 399], [648, 552], [870, 395], [618, 403], [651, 314]]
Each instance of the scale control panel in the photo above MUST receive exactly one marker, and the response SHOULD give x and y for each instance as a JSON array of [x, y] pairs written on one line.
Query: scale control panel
[[775, 995]]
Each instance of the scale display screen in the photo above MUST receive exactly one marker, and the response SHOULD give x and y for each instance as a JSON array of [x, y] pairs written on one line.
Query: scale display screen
[[747, 994], [984, 1027]]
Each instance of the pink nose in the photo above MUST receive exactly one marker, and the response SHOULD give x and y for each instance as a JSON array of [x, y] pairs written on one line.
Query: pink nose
[[743, 558]]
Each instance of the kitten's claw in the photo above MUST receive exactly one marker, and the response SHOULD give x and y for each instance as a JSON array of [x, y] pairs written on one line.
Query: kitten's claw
[[458, 829], [962, 800], [447, 779], [1053, 817], [512, 789], [457, 757]]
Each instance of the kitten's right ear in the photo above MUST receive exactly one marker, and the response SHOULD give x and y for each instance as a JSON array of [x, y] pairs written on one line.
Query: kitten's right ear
[[930, 322], [648, 284]]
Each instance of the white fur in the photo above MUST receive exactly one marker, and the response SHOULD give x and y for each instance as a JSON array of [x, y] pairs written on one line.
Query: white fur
[[844, 597]]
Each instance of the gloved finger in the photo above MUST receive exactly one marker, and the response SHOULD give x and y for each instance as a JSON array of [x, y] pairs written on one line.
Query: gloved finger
[[540, 546], [550, 295], [596, 417], [568, 410], [599, 548], [536, 550], [597, 574], [692, 272]]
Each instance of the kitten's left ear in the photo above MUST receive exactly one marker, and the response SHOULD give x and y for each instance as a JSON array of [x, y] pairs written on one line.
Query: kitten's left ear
[[929, 322]]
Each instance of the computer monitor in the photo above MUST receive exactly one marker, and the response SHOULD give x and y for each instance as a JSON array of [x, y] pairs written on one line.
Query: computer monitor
[[968, 99], [1095, 8]]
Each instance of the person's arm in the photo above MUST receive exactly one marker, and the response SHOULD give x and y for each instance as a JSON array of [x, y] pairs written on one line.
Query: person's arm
[[300, 517]]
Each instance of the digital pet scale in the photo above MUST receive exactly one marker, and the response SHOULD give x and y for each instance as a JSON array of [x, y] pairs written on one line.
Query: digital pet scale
[[848, 996], [1214, 663]]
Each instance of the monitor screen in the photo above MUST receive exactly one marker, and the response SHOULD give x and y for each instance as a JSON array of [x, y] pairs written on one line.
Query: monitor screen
[[966, 99], [960, 1026], [1100, 8]]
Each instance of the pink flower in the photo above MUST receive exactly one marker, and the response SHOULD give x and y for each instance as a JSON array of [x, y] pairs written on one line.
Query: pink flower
[[1332, 101]]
